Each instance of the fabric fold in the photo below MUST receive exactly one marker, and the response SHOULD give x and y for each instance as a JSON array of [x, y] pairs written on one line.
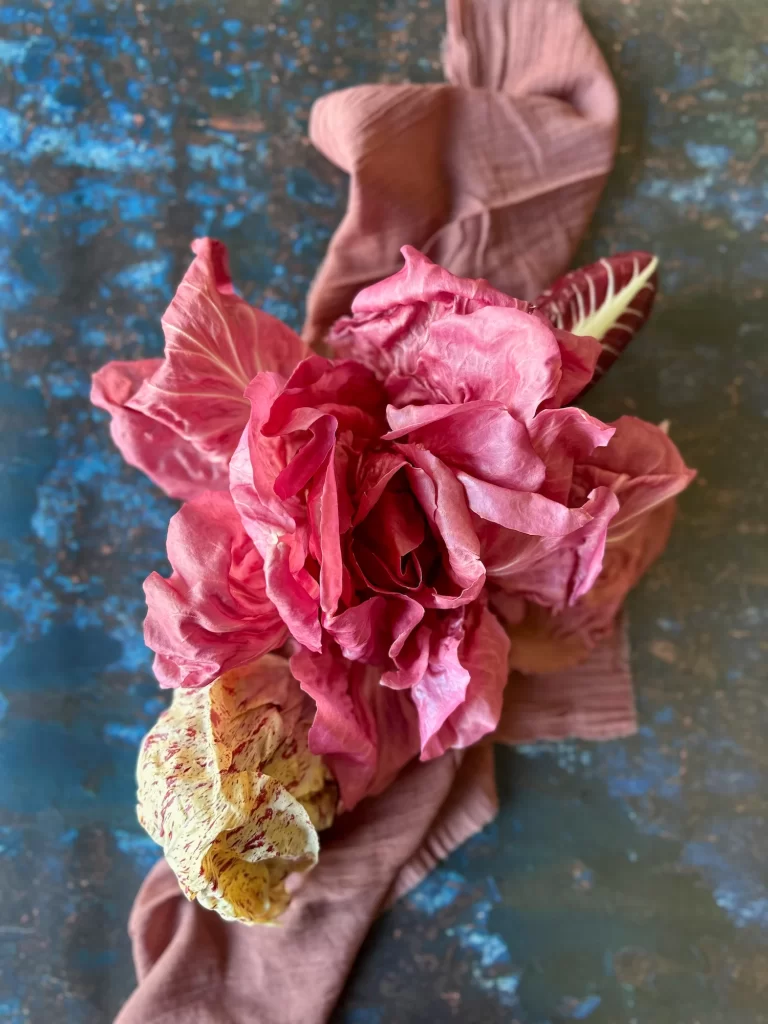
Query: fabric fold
[[193, 967], [592, 700], [494, 173]]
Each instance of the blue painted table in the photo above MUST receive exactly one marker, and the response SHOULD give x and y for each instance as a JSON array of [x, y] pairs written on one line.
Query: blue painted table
[[622, 884]]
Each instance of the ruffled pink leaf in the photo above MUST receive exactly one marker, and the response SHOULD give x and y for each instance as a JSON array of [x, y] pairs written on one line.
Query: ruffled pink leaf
[[421, 280], [621, 483], [278, 527], [377, 629], [343, 389], [538, 549], [444, 682], [433, 337], [365, 732], [213, 614], [481, 438], [641, 465], [543, 641], [628, 556], [444, 503], [484, 654], [215, 344], [175, 465], [561, 438], [609, 300], [285, 484]]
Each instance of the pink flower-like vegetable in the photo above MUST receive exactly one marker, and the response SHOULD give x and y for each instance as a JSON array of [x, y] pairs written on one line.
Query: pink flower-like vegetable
[[368, 543], [377, 532], [213, 614], [386, 507], [179, 418]]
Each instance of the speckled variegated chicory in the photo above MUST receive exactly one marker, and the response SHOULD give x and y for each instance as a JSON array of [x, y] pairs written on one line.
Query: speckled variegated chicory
[[230, 790]]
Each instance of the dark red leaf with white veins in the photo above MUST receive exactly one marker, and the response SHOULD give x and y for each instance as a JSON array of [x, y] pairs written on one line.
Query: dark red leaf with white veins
[[609, 300]]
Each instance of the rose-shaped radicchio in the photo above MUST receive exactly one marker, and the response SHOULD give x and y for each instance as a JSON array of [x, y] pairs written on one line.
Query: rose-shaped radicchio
[[368, 544], [387, 508], [371, 542], [380, 526]]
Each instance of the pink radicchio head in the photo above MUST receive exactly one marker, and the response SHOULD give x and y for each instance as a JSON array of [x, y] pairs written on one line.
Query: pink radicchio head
[[179, 418], [213, 614], [378, 531], [367, 544], [381, 500]]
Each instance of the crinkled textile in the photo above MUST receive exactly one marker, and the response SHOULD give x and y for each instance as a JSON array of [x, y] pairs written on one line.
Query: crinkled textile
[[494, 174]]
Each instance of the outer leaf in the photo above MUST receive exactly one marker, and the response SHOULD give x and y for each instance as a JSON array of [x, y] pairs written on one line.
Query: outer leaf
[[483, 657], [641, 466], [176, 465], [213, 614], [365, 732], [552, 642], [179, 418], [215, 344], [609, 300]]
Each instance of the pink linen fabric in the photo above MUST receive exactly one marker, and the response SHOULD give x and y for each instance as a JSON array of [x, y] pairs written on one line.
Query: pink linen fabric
[[494, 174], [197, 969]]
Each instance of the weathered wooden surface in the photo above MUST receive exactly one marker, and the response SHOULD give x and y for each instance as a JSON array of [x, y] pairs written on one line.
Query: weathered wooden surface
[[622, 884]]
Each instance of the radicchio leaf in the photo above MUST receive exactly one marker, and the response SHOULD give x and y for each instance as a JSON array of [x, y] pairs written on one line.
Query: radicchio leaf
[[230, 790], [609, 300], [215, 344], [213, 614]]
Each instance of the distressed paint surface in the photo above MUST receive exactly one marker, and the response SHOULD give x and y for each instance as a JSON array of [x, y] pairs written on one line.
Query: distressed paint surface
[[622, 884]]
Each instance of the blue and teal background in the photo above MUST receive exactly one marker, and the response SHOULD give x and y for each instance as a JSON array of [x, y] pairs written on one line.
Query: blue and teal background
[[622, 884]]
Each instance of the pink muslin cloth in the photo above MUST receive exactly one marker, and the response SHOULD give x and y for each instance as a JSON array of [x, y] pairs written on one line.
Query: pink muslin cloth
[[495, 173]]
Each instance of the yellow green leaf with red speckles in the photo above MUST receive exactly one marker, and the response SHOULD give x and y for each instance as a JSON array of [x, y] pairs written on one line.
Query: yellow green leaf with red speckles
[[230, 790]]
